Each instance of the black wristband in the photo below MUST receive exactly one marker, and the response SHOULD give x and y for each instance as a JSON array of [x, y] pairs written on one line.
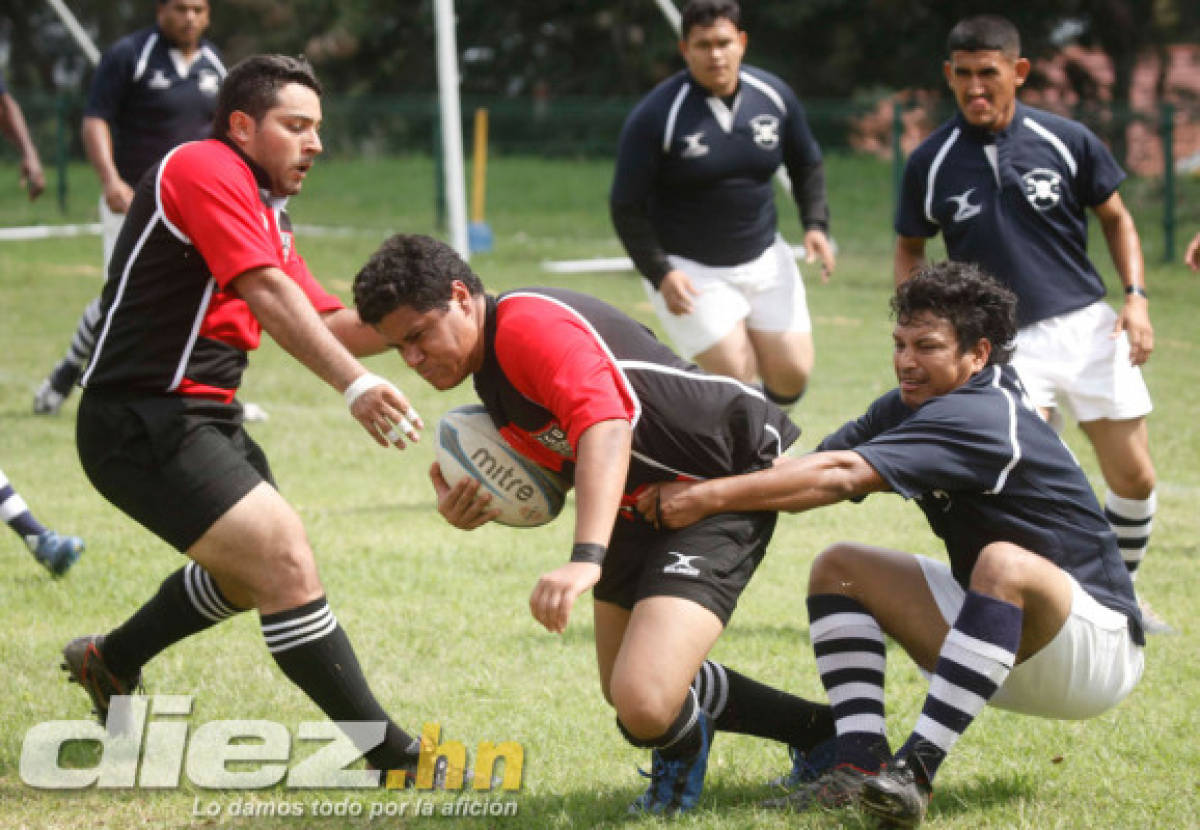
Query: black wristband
[[1137, 289], [588, 552]]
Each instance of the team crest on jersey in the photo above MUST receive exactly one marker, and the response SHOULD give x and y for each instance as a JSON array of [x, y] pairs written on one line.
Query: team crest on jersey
[[1043, 188], [554, 439], [694, 146], [209, 81], [158, 80], [766, 131], [286, 243]]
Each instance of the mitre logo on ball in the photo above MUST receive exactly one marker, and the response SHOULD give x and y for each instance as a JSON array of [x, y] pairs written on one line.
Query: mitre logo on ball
[[467, 443]]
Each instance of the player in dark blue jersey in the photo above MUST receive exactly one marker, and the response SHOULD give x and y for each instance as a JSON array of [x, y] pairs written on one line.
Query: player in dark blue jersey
[[692, 202], [1008, 187], [153, 90], [1035, 612], [578, 387]]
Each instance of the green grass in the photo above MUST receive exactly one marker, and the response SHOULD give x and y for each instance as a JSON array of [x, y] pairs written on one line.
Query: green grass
[[439, 617]]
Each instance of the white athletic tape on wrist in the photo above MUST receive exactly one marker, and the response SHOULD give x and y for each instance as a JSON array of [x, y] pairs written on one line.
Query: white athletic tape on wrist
[[360, 385]]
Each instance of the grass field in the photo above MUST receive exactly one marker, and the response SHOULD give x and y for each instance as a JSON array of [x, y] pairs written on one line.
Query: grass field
[[439, 617]]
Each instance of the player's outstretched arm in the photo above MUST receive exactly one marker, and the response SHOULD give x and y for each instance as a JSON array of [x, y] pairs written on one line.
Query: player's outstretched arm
[[1126, 250], [287, 315], [359, 339], [792, 485], [602, 463], [97, 143], [12, 124]]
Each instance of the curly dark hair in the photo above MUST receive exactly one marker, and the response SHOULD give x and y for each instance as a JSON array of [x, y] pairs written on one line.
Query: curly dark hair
[[708, 12], [410, 270], [972, 301], [252, 86]]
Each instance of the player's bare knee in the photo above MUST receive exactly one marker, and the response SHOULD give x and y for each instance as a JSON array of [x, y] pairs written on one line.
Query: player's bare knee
[[832, 570], [288, 574], [1135, 484], [1003, 571], [642, 709]]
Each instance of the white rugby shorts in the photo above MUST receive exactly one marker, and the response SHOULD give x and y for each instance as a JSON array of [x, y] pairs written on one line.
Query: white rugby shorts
[[1089, 666], [1074, 358], [766, 292]]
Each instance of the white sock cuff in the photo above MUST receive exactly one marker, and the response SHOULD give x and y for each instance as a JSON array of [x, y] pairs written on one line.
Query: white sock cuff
[[1136, 509]]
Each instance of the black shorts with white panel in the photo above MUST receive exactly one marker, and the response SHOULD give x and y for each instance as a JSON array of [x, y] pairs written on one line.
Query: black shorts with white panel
[[709, 563]]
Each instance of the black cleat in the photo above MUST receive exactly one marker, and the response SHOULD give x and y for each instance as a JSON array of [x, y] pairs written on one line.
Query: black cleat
[[899, 795], [834, 789], [84, 665]]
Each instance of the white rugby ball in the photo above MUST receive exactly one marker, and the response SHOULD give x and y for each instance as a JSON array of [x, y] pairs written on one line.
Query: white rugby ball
[[468, 444]]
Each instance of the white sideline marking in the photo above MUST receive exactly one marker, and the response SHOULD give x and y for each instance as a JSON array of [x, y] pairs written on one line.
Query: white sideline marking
[[24, 233], [618, 263]]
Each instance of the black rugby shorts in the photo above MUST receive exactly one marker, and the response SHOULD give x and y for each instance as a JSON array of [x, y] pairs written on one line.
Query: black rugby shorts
[[174, 465], [710, 562]]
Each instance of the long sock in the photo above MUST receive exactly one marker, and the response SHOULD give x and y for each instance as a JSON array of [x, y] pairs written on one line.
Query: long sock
[[66, 374], [851, 658], [684, 738], [188, 601], [736, 703], [1132, 520], [16, 514], [974, 662], [315, 654]]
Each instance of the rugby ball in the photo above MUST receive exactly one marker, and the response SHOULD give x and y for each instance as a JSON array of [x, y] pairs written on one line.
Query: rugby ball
[[468, 444]]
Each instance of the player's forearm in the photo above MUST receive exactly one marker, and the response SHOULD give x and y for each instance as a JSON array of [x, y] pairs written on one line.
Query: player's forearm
[[286, 314], [359, 339], [810, 195], [12, 124], [602, 464], [636, 233], [908, 256], [793, 485], [97, 144], [1125, 248]]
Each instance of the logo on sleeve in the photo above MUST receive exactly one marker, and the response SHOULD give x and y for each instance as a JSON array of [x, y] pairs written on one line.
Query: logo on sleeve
[[1043, 188], [694, 147], [682, 566], [554, 438], [964, 210], [766, 131]]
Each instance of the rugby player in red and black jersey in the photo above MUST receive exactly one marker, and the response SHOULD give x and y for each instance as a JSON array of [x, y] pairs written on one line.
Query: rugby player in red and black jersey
[[205, 261], [577, 386]]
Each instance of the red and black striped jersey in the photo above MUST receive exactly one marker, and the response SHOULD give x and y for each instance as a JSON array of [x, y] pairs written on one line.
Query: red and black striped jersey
[[556, 362], [173, 322]]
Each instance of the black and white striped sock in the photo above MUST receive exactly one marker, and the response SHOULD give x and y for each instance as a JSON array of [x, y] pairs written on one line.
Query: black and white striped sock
[[187, 602], [83, 342], [849, 647], [737, 703], [315, 654], [16, 514], [976, 658], [1132, 520]]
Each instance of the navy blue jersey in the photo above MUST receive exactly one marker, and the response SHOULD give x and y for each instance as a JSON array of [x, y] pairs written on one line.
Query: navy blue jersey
[[557, 362], [3, 88], [984, 467], [1014, 202], [151, 102], [697, 171]]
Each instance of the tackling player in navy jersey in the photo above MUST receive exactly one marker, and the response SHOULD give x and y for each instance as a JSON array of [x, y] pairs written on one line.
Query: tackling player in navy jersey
[[578, 387], [1035, 612], [692, 202], [1008, 187], [153, 90]]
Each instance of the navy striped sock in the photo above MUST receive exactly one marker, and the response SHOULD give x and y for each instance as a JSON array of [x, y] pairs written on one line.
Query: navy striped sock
[[849, 647], [1132, 520], [974, 662], [315, 654], [17, 515]]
